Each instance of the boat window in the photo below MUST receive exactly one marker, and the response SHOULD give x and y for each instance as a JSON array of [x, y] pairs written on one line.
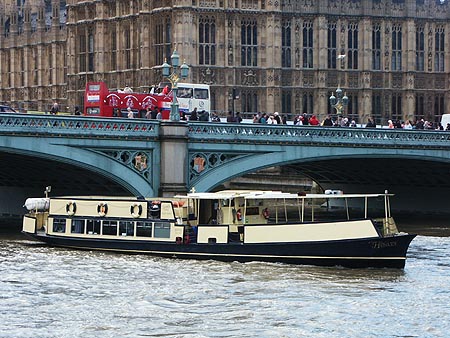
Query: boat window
[[126, 228], [93, 226], [252, 211], [59, 225], [162, 229], [110, 228], [144, 229], [77, 226]]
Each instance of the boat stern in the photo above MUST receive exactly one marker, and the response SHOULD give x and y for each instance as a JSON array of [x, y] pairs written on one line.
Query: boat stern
[[33, 222]]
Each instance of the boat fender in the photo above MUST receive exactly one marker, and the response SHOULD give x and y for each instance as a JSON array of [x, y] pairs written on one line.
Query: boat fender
[[265, 213], [71, 208], [136, 210], [102, 209]]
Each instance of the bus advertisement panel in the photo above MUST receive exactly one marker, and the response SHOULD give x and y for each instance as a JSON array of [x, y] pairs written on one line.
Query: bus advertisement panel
[[99, 101]]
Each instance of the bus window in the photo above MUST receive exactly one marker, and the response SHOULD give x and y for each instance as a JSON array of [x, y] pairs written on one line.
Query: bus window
[[92, 111], [201, 93], [185, 93]]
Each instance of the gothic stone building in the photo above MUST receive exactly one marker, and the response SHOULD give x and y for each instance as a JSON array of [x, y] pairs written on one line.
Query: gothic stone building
[[279, 55]]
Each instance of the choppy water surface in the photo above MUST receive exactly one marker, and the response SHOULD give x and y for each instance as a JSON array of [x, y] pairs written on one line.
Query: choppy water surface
[[50, 292]]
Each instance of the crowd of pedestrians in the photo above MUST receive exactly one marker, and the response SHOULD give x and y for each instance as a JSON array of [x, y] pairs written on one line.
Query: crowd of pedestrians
[[299, 120]]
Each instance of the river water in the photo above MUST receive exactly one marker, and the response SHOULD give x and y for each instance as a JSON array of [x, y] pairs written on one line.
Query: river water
[[51, 292]]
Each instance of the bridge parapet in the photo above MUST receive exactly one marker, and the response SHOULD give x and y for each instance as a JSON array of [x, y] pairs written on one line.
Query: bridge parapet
[[77, 126], [329, 136]]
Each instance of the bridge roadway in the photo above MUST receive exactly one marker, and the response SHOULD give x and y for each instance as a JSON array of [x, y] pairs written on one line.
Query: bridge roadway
[[93, 156]]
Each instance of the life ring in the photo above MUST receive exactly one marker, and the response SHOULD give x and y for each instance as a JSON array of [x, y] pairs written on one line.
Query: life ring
[[102, 209], [136, 210], [71, 208], [265, 213]]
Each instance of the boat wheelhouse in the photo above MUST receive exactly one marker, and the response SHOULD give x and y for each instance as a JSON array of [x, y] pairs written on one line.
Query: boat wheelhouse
[[239, 225]]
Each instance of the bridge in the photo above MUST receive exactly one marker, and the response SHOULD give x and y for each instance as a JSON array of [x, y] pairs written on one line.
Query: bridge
[[94, 156]]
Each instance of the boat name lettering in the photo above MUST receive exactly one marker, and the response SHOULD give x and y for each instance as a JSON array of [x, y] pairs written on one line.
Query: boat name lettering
[[381, 245]]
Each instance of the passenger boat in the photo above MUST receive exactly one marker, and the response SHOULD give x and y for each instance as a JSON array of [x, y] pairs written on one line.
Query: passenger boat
[[269, 226]]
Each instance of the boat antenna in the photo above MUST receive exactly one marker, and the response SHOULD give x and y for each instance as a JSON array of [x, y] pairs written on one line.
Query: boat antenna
[[47, 190]]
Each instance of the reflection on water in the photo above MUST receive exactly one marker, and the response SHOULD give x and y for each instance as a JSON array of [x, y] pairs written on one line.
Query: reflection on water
[[51, 292]]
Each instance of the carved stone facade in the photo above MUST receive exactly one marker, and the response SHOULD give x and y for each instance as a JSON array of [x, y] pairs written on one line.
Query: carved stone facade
[[280, 55]]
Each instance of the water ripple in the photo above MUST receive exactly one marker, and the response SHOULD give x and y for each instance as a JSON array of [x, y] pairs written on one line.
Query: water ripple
[[50, 292]]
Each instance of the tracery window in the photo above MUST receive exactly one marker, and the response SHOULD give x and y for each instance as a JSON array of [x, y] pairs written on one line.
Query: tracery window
[[307, 44], [286, 99], [439, 107], [352, 59], [420, 106], [331, 45], [127, 39], [396, 107], [352, 108], [207, 41], [86, 51], [249, 43], [420, 49], [377, 108], [286, 44], [113, 51], [439, 49], [376, 47], [163, 46], [249, 101], [308, 103], [396, 61]]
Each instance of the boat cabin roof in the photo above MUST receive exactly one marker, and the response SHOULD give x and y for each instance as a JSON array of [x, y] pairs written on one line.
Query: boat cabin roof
[[261, 194]]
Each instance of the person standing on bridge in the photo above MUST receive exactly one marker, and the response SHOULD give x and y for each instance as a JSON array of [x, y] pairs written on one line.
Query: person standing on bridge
[[55, 109], [130, 113]]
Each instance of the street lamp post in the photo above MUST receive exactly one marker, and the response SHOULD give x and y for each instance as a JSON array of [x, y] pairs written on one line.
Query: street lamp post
[[340, 101], [177, 73]]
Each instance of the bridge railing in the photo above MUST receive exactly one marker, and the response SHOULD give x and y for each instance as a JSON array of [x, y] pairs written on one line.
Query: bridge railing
[[327, 136], [78, 126]]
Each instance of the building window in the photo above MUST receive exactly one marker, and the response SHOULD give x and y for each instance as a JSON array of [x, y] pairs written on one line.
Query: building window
[[308, 103], [91, 52], [162, 41], [377, 108], [127, 39], [439, 49], [331, 45], [396, 107], [82, 52], [420, 49], [207, 41], [286, 45], [307, 44], [113, 51], [396, 62], [249, 101], [420, 106], [249, 43], [352, 60], [353, 107], [286, 99], [439, 108], [376, 47]]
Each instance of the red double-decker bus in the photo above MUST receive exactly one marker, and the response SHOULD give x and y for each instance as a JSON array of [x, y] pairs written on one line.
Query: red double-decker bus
[[99, 101]]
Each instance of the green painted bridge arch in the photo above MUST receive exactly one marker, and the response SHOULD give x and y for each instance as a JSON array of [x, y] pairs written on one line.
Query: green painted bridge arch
[[94, 156], [415, 165]]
